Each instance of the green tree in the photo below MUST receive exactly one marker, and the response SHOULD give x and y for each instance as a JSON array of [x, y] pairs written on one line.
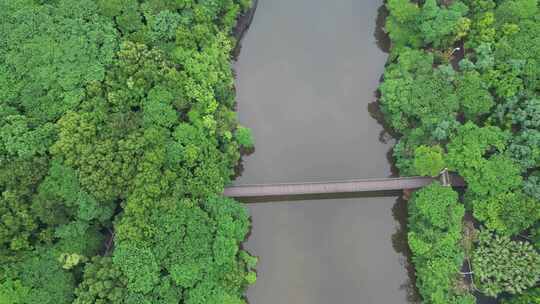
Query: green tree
[[525, 145], [511, 11], [95, 132], [428, 160], [532, 185], [484, 115], [503, 265], [37, 278], [45, 82], [434, 238], [401, 23], [102, 283], [414, 26], [442, 26], [244, 136], [39, 85], [530, 296], [13, 292], [497, 175], [474, 96], [414, 95], [507, 213], [467, 154], [469, 146]]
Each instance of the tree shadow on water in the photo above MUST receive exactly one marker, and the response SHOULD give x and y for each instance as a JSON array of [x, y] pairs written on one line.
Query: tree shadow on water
[[386, 135], [242, 26], [400, 245], [381, 37], [374, 109], [383, 42], [239, 168], [316, 197]]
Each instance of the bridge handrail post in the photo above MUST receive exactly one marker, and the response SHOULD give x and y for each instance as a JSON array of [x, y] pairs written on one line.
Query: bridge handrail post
[[444, 178]]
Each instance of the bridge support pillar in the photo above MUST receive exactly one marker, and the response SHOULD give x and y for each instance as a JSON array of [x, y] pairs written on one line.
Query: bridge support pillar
[[407, 194]]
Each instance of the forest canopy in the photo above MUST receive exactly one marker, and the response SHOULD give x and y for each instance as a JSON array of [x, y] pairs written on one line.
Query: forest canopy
[[117, 136], [462, 91]]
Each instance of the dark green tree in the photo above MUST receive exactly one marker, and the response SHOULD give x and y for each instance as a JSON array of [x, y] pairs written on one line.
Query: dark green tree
[[474, 95], [530, 296], [413, 95]]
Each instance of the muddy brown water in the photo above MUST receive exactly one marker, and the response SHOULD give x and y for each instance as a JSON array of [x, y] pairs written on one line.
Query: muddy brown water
[[306, 80]]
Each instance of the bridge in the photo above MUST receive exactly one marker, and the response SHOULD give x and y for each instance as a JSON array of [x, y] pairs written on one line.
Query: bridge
[[346, 186]]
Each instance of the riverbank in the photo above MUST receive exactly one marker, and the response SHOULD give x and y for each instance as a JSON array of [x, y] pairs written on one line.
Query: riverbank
[[242, 26]]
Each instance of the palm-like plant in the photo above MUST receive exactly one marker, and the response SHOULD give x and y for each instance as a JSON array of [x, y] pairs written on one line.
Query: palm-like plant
[[503, 265]]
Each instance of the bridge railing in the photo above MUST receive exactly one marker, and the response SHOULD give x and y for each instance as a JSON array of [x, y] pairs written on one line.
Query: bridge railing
[[343, 186]]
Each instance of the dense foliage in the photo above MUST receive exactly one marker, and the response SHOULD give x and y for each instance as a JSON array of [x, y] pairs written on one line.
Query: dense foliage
[[531, 296], [462, 90], [435, 240], [117, 136], [501, 264]]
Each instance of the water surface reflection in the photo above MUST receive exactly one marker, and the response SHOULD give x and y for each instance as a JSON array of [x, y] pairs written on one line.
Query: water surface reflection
[[306, 75]]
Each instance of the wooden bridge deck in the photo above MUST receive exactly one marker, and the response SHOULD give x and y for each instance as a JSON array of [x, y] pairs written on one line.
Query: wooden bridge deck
[[349, 186]]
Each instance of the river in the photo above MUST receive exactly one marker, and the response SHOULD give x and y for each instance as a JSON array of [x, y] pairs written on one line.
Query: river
[[306, 79]]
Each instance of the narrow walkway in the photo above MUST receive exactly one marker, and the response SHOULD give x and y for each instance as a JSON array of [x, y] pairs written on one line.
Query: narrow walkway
[[349, 186]]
